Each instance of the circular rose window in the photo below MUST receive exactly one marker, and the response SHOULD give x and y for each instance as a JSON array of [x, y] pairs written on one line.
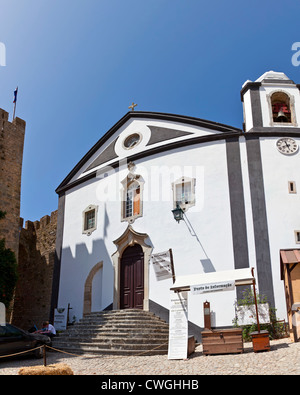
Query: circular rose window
[[132, 140]]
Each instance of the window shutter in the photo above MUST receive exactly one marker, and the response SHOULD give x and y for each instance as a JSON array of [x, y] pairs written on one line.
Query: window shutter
[[137, 202]]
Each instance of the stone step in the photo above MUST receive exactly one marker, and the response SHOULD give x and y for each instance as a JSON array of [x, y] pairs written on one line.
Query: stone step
[[120, 333], [123, 313], [157, 334], [108, 335], [124, 335], [114, 339], [116, 332], [134, 320], [112, 315], [113, 352], [123, 324], [102, 346], [120, 328]]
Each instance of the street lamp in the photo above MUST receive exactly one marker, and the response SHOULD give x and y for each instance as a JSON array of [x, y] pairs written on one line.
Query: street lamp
[[178, 213]]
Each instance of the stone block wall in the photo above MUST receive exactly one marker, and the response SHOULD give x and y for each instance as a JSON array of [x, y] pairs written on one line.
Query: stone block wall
[[11, 157], [36, 262]]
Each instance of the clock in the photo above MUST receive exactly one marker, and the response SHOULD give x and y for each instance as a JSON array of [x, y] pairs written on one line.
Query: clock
[[287, 146]]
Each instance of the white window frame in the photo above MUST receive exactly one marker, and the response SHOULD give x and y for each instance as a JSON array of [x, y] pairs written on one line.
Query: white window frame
[[297, 236], [180, 182], [292, 187], [127, 182], [85, 230]]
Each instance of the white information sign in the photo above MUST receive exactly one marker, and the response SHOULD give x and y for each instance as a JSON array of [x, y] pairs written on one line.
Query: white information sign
[[178, 326], [60, 319], [2, 314], [162, 265], [246, 315], [213, 287]]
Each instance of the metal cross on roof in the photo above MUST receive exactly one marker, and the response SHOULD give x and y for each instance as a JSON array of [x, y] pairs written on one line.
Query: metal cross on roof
[[132, 106]]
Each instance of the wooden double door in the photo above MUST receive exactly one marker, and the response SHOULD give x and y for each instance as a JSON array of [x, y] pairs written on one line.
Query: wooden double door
[[132, 278]]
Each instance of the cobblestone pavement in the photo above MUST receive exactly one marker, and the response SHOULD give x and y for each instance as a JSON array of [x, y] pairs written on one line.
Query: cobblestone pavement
[[283, 358]]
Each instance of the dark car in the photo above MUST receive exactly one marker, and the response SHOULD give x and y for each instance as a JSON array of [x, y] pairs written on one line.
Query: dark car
[[14, 340]]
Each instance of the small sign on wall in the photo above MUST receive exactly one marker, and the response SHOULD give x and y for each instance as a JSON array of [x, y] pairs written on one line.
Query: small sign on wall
[[60, 319], [213, 287], [162, 265]]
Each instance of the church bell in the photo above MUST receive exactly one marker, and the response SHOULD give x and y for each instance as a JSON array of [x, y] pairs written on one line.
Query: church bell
[[281, 117]]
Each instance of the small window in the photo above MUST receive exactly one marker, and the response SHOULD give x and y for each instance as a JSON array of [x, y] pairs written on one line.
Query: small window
[[297, 236], [132, 140], [184, 193], [292, 187], [132, 198], [89, 218], [133, 203]]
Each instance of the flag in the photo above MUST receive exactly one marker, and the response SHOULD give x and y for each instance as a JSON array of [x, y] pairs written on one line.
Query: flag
[[15, 95]]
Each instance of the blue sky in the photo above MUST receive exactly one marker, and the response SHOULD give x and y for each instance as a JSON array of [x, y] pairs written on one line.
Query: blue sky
[[79, 64]]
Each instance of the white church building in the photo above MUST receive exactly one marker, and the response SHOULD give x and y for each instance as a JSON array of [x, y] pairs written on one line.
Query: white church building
[[239, 191]]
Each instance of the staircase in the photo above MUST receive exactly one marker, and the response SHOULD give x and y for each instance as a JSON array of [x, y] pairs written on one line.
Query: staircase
[[116, 332]]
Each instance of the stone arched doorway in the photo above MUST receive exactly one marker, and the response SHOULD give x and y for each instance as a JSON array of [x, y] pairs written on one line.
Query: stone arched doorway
[[88, 288], [131, 238]]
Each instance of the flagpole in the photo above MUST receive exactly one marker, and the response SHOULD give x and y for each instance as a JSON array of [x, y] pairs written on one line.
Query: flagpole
[[14, 111], [15, 102]]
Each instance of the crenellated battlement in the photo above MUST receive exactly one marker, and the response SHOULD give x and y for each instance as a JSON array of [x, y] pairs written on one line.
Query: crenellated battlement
[[45, 222], [20, 123]]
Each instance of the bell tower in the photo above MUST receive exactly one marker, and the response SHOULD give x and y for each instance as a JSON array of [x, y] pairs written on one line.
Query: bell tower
[[271, 106], [271, 102]]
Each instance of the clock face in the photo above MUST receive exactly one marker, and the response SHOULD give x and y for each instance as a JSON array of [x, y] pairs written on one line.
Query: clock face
[[287, 146]]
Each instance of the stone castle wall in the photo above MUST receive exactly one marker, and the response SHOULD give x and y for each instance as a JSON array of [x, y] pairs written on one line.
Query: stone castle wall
[[35, 268], [33, 245]]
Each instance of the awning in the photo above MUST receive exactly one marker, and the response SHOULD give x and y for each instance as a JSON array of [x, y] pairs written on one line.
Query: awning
[[288, 257], [238, 276]]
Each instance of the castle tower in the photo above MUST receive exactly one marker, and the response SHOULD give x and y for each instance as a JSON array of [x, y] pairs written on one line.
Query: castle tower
[[11, 156]]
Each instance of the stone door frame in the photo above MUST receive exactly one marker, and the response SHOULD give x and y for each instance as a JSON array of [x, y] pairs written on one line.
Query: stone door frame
[[129, 238]]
